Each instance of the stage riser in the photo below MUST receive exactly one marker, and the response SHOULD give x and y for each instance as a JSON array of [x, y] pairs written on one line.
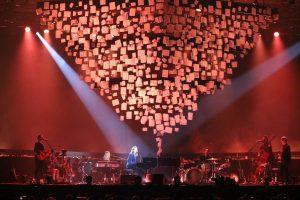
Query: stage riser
[[24, 166], [127, 192]]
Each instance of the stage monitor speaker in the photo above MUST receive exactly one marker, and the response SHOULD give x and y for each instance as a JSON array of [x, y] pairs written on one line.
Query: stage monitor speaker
[[155, 179], [128, 179], [7, 172]]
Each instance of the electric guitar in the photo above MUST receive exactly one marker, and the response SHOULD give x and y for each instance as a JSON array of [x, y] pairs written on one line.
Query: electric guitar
[[43, 155]]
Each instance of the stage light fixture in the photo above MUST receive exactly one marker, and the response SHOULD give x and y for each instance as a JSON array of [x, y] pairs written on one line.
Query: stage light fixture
[[46, 31], [276, 34], [27, 29]]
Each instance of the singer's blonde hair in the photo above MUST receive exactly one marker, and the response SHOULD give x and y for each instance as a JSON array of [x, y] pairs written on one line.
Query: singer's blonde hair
[[106, 155], [134, 150]]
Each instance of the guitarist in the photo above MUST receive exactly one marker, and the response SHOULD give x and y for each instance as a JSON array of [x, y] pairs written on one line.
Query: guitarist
[[39, 162]]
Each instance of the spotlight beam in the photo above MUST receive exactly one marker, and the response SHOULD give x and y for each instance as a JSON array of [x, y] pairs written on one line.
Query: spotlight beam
[[117, 133], [211, 105]]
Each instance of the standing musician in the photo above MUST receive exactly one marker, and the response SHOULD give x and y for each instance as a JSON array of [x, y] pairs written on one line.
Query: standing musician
[[285, 160], [39, 150], [133, 159], [266, 154]]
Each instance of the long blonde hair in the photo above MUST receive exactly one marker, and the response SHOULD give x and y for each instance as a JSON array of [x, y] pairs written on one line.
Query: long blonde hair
[[134, 150], [106, 155]]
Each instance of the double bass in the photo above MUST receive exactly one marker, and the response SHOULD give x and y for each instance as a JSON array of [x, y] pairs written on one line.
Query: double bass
[[266, 157]]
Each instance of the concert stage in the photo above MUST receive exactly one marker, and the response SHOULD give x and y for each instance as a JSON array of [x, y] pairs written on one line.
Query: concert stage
[[150, 99], [19, 191]]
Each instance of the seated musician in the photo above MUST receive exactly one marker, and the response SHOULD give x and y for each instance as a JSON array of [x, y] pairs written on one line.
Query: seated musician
[[67, 170], [39, 161], [133, 159], [106, 156], [106, 171], [206, 166], [206, 155]]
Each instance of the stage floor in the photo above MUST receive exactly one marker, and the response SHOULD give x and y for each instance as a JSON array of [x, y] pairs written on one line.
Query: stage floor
[[26, 191]]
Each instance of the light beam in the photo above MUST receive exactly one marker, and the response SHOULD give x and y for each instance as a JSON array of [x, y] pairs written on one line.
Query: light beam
[[117, 133], [211, 105]]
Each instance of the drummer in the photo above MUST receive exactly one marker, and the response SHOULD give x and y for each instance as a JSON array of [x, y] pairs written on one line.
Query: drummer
[[206, 155]]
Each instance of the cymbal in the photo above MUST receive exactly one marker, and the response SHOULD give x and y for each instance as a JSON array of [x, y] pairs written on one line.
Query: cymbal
[[187, 161], [213, 159]]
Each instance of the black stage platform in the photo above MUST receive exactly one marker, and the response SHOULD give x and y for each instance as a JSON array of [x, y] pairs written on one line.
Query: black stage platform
[[19, 191]]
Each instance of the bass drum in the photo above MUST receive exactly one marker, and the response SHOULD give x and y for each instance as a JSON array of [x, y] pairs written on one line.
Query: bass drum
[[181, 174], [193, 176]]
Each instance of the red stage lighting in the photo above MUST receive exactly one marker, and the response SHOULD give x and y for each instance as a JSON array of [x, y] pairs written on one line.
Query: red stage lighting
[[276, 34], [46, 31], [27, 29]]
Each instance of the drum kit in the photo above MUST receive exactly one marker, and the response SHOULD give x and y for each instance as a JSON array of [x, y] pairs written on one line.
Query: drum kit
[[59, 168], [193, 172]]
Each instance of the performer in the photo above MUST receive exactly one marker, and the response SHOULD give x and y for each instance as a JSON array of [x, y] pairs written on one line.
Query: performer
[[206, 167], [38, 156], [106, 171], [133, 159], [285, 159], [206, 155], [67, 170], [266, 152], [106, 156], [266, 160]]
